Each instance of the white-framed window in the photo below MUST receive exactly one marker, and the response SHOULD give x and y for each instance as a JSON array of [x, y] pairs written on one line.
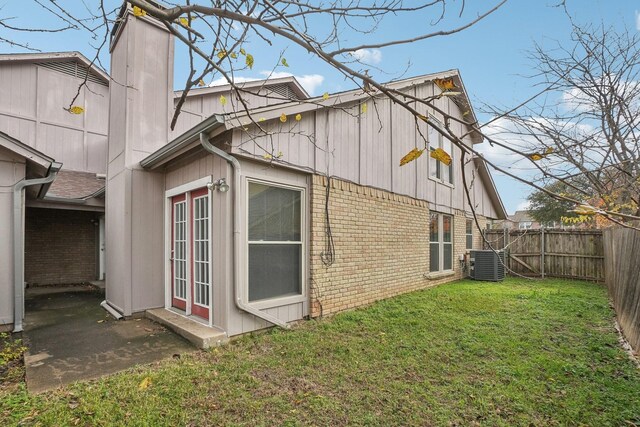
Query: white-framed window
[[469, 233], [275, 241], [438, 170], [524, 225], [440, 242]]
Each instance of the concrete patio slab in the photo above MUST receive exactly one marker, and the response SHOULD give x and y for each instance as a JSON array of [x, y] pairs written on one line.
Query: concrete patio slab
[[71, 338], [200, 335]]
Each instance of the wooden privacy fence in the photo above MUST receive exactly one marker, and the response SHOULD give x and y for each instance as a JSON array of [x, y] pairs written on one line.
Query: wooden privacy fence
[[574, 254], [622, 260]]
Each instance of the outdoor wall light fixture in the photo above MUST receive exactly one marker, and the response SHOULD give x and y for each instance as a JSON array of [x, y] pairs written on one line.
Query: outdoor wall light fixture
[[219, 184]]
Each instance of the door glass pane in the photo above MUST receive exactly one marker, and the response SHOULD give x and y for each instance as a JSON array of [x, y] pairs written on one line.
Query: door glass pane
[[180, 250], [200, 251], [274, 270]]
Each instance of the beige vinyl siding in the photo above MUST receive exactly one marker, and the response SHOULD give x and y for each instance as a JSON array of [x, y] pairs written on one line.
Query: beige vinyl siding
[[366, 148], [32, 102]]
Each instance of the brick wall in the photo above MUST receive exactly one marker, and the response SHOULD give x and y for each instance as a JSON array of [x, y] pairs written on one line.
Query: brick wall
[[381, 244], [60, 246]]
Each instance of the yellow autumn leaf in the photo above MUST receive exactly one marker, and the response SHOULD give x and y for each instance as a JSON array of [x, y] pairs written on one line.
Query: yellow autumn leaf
[[249, 60], [261, 119], [535, 156], [201, 83], [441, 155], [364, 108], [222, 53], [267, 156], [223, 100], [423, 118], [298, 117], [548, 151], [445, 84], [76, 110], [283, 118], [411, 156], [184, 21], [284, 62], [242, 51], [145, 383], [466, 113], [137, 11], [585, 210], [325, 96], [233, 55]]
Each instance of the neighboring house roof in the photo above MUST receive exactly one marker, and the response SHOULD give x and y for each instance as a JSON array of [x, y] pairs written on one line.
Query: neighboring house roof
[[521, 216], [76, 185], [60, 61]]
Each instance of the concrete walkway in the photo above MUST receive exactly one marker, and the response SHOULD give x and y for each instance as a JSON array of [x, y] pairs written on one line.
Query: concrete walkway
[[71, 338]]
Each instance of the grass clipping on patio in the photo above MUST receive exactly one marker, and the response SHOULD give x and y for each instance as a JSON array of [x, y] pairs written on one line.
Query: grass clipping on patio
[[467, 353]]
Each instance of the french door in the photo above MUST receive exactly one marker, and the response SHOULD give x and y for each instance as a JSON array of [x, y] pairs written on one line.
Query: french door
[[190, 253]]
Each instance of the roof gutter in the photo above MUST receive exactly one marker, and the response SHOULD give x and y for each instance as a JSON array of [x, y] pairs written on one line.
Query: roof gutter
[[158, 157], [18, 242], [240, 297]]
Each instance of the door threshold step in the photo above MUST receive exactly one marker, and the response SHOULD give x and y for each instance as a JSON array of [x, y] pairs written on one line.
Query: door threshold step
[[198, 334]]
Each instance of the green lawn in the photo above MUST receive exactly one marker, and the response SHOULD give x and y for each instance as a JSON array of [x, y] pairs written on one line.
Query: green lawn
[[468, 353]]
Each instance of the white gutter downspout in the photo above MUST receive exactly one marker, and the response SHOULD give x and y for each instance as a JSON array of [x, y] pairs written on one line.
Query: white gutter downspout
[[18, 242], [241, 303]]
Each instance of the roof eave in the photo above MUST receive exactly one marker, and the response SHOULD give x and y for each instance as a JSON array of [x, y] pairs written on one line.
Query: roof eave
[[161, 156], [55, 57]]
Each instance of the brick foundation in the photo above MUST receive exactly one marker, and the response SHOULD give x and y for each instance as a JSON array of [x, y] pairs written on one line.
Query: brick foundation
[[60, 246], [381, 246]]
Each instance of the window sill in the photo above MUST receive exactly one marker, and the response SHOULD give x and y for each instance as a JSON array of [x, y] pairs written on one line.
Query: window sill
[[264, 304], [439, 274], [442, 182]]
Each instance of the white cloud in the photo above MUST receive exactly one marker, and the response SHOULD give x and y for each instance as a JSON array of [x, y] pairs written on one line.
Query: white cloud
[[368, 56], [309, 82], [503, 131], [637, 20], [523, 206]]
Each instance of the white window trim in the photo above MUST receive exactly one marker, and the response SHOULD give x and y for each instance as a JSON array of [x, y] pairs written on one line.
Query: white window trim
[[467, 234], [433, 121], [285, 300], [441, 271], [168, 207]]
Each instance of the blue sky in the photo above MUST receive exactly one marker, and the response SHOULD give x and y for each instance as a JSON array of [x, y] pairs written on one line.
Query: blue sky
[[491, 56]]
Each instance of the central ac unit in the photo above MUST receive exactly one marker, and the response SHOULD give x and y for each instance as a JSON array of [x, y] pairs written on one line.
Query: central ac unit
[[486, 265]]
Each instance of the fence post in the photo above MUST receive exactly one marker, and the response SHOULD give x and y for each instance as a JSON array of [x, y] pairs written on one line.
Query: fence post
[[542, 251]]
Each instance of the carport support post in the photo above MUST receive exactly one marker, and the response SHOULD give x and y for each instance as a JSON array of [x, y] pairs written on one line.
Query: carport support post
[[18, 242]]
